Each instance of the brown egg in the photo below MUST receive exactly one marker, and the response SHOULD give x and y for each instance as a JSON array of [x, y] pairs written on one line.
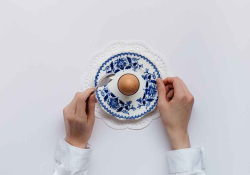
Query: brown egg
[[128, 84]]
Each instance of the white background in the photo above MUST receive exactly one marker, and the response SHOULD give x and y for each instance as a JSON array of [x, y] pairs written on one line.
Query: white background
[[45, 46]]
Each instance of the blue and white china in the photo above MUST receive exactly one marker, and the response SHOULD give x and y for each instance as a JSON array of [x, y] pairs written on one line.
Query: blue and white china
[[121, 106]]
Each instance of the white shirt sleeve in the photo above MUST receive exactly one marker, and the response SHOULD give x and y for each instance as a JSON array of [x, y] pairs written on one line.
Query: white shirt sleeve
[[189, 161], [71, 160]]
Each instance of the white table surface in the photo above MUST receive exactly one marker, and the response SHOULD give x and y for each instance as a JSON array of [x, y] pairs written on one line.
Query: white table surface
[[44, 49]]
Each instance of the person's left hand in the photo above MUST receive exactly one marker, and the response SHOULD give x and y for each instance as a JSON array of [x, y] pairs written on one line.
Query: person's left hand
[[79, 118]]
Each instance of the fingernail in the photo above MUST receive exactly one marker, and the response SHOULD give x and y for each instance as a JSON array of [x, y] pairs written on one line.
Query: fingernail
[[158, 80]]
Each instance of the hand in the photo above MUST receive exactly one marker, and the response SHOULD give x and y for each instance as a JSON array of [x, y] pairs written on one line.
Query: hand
[[175, 106], [79, 118]]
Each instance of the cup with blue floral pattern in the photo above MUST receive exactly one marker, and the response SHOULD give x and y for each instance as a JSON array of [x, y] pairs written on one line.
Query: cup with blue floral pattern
[[119, 105]]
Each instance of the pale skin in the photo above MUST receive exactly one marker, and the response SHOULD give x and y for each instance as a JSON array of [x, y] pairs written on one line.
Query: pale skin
[[175, 106], [79, 118]]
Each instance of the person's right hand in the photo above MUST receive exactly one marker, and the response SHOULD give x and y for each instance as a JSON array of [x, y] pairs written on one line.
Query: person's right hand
[[175, 106], [79, 118]]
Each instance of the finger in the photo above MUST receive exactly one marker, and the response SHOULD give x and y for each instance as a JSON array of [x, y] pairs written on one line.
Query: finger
[[88, 92], [190, 97], [66, 109], [91, 93], [185, 87], [72, 105], [174, 82], [177, 85], [170, 95], [91, 109], [168, 88], [161, 90], [81, 102]]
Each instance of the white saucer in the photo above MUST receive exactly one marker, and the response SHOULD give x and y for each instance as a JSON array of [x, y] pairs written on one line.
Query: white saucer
[[121, 106]]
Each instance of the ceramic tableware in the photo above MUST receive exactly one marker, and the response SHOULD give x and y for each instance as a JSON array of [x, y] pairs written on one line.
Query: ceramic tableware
[[133, 91]]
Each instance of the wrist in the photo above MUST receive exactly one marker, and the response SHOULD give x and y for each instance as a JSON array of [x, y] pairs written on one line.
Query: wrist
[[76, 143], [178, 139]]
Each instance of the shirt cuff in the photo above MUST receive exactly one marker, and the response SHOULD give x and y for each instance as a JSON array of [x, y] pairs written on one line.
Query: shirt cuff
[[185, 160], [71, 157]]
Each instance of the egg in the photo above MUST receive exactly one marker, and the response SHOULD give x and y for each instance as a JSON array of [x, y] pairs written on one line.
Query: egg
[[128, 84]]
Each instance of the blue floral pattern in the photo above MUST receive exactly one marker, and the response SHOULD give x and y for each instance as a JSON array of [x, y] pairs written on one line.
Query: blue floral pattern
[[115, 103], [123, 63], [124, 109], [150, 90]]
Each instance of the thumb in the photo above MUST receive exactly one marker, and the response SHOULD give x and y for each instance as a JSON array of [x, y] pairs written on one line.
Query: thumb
[[161, 91], [91, 109]]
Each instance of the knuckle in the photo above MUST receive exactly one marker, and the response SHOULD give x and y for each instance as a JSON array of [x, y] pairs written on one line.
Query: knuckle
[[81, 115], [79, 120], [160, 104], [78, 94], [81, 97], [64, 111], [191, 98], [161, 89], [70, 117]]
